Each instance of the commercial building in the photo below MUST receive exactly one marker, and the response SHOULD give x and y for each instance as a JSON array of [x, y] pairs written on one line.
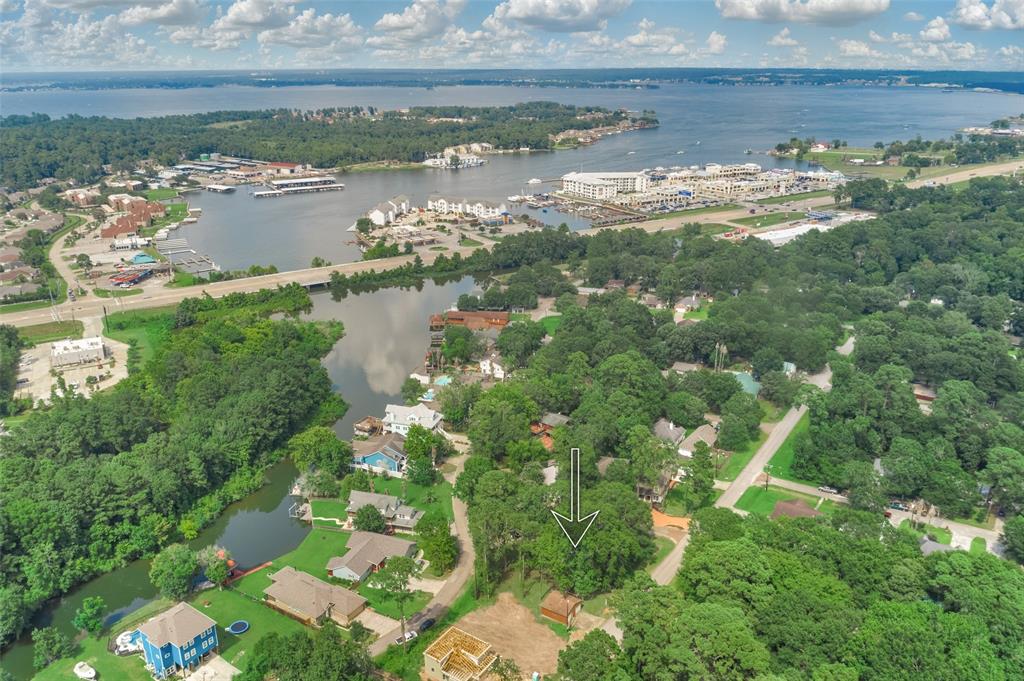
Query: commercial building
[[367, 553], [466, 207], [604, 186], [457, 655], [77, 351], [176, 639], [388, 211], [311, 600]]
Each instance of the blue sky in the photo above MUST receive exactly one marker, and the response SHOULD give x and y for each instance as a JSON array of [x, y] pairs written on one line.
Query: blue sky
[[51, 35]]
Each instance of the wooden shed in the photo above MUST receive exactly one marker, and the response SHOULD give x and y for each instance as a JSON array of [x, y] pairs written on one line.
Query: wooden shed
[[562, 608]]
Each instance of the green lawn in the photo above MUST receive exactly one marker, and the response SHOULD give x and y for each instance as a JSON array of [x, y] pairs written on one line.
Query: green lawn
[[715, 228], [116, 292], [940, 534], [759, 501], [782, 462], [176, 212], [435, 498], [310, 556], [383, 603], [228, 605], [466, 241], [329, 508], [700, 313], [161, 194], [795, 197], [144, 330], [519, 317], [690, 212], [978, 546], [51, 331], [772, 414], [738, 459], [551, 323], [769, 219]]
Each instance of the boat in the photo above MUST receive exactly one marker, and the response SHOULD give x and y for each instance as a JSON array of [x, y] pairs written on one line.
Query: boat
[[681, 151], [630, 153], [534, 180], [84, 671], [697, 142], [748, 152]]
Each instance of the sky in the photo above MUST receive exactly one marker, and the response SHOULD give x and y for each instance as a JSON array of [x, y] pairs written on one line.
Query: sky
[[97, 35]]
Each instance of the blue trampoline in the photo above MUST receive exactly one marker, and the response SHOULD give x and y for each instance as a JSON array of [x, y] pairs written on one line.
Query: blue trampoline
[[239, 627]]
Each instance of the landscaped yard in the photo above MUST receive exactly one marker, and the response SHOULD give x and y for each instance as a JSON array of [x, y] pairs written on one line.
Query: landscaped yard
[[310, 556], [940, 534], [329, 508], [228, 605], [551, 323], [769, 219], [738, 459], [383, 603], [701, 313], [435, 498], [51, 331], [759, 501], [782, 463]]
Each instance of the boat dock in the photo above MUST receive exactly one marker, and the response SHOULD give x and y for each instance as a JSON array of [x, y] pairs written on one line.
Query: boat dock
[[184, 257], [220, 188], [298, 185]]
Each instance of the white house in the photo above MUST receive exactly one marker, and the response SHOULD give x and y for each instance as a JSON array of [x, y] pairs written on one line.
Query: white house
[[473, 208], [493, 366], [386, 212], [399, 418]]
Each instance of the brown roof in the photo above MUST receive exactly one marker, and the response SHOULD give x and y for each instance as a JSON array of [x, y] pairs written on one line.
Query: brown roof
[[369, 549], [560, 603], [179, 625], [461, 655], [304, 593], [794, 508]]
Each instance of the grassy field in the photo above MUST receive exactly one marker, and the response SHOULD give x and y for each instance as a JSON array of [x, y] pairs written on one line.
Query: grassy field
[[116, 293], [551, 323], [145, 330], [770, 219], [51, 331], [774, 200], [466, 241], [161, 194], [940, 534], [329, 508], [738, 459], [690, 212], [772, 414], [782, 462], [715, 228], [759, 501], [978, 546]]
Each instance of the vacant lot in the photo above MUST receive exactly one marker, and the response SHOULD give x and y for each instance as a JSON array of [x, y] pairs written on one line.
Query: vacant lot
[[515, 633], [759, 501]]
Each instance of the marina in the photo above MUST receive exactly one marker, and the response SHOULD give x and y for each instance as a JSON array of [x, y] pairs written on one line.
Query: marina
[[298, 185]]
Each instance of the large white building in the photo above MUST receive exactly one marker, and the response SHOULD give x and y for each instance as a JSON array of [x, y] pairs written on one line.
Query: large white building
[[80, 351], [399, 418], [604, 186], [473, 208], [387, 212]]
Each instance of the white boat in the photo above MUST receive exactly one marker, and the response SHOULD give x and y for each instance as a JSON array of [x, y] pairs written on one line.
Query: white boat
[[697, 142], [681, 151], [534, 180], [84, 671], [630, 153]]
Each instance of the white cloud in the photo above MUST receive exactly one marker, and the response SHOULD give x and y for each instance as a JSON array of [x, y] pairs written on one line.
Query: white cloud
[[935, 31], [946, 53], [561, 16], [9, 6], [783, 39], [1000, 14], [420, 20], [254, 15], [913, 16], [716, 43], [857, 49], [891, 38], [651, 39], [310, 29], [1011, 52], [830, 12], [173, 13]]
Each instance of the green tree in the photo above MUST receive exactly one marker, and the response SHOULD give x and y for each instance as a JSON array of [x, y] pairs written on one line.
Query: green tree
[[319, 447], [1013, 538], [49, 645], [519, 340], [394, 579], [592, 658], [457, 399], [502, 415], [685, 409], [369, 519], [440, 547], [506, 669], [89, 616], [765, 360], [172, 570], [216, 563], [411, 390], [460, 344]]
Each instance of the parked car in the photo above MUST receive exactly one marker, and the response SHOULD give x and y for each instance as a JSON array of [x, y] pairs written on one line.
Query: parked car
[[409, 635], [828, 490], [899, 506], [426, 624]]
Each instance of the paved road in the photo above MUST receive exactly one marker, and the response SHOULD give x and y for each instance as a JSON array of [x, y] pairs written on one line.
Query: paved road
[[1007, 168], [460, 575], [666, 570]]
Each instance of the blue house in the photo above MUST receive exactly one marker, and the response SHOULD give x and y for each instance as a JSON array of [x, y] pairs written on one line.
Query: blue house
[[178, 638], [381, 454]]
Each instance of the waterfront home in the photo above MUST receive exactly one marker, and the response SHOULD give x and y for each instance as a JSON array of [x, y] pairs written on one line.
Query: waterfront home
[[474, 320], [457, 655], [177, 639], [399, 418], [311, 600], [367, 553], [493, 366], [386, 212], [560, 607], [397, 515], [380, 454], [465, 207]]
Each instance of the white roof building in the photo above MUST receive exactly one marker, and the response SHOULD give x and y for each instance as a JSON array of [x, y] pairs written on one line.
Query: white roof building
[[77, 351], [399, 418], [603, 186]]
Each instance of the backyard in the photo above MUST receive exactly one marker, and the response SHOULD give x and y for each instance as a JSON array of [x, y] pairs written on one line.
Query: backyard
[[310, 556]]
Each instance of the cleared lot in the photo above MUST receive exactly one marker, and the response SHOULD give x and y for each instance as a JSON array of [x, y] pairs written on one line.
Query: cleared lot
[[512, 630]]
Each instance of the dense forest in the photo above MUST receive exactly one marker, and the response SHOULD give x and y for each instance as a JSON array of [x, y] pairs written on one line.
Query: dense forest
[[845, 599], [10, 355], [89, 484], [76, 147]]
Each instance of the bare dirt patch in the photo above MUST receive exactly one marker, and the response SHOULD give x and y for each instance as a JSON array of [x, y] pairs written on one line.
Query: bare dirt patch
[[512, 630]]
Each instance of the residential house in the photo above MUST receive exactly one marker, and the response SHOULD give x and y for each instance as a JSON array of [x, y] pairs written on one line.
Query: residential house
[[14, 274], [545, 427], [386, 212], [706, 434], [560, 607], [794, 508], [399, 418], [397, 515], [614, 284], [311, 600], [652, 301], [654, 493], [17, 289], [380, 454], [367, 553], [688, 304], [177, 639], [930, 546], [456, 655], [82, 197], [669, 432], [493, 366]]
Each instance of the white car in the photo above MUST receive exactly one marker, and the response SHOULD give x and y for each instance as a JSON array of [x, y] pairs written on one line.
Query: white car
[[409, 635], [828, 490]]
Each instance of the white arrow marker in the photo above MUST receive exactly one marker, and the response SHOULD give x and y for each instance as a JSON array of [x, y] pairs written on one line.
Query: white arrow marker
[[575, 527]]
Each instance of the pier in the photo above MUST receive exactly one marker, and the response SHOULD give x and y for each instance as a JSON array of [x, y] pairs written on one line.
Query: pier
[[298, 185], [220, 188]]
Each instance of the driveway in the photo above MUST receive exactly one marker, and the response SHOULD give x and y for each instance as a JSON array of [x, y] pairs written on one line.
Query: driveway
[[378, 623]]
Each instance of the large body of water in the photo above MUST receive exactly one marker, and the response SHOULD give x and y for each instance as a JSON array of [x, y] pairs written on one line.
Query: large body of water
[[386, 337], [238, 231]]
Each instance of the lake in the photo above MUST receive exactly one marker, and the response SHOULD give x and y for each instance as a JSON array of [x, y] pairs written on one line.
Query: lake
[[386, 337], [709, 123]]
